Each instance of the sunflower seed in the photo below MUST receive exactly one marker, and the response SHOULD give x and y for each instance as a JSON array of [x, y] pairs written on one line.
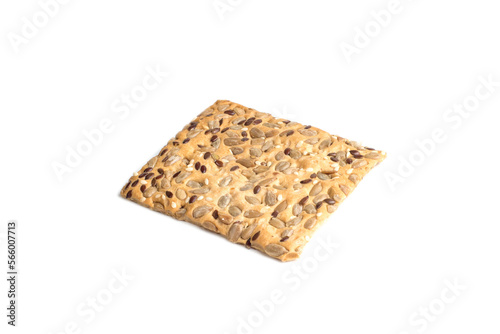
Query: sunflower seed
[[213, 124], [165, 183], [295, 154], [311, 141], [180, 194], [260, 169], [287, 233], [234, 211], [246, 187], [233, 134], [294, 221], [193, 184], [225, 181], [308, 132], [238, 120], [159, 207], [316, 189], [182, 176], [331, 208], [257, 133], [341, 155], [281, 166], [325, 143], [224, 201], [224, 218], [237, 150], [267, 181], [267, 145], [216, 143], [373, 155], [232, 141], [354, 178], [323, 176], [276, 223], [252, 214], [255, 141], [234, 232], [275, 250], [152, 162], [271, 125], [359, 163], [252, 200], [320, 198], [247, 232], [255, 152], [193, 133], [246, 162], [201, 211], [179, 213], [281, 207], [209, 226], [270, 198], [345, 189], [290, 170], [150, 191], [239, 111], [172, 160], [309, 224], [296, 209], [200, 191], [310, 209], [271, 133]]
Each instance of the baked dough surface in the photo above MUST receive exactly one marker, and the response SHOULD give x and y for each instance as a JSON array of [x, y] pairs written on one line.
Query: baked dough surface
[[258, 180]]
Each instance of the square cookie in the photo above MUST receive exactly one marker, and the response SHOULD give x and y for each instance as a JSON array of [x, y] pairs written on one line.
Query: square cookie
[[261, 181]]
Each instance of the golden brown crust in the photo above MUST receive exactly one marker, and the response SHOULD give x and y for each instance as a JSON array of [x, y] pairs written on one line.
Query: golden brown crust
[[261, 181]]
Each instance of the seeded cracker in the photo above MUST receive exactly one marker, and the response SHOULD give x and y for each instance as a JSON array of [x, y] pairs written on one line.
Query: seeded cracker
[[261, 181]]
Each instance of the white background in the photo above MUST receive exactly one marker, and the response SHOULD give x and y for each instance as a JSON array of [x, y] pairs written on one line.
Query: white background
[[398, 245]]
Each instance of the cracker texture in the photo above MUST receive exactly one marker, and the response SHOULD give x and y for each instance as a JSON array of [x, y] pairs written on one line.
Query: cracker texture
[[261, 181]]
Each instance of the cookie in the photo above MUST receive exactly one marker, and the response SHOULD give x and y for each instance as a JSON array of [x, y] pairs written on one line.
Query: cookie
[[261, 181]]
